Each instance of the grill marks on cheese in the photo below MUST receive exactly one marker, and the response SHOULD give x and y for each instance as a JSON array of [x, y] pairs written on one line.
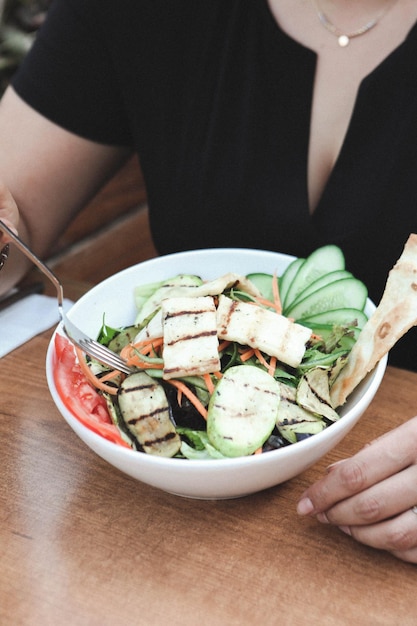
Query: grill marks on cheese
[[256, 327], [190, 337], [187, 319]]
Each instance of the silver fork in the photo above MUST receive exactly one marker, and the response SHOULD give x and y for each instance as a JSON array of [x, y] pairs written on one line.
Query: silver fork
[[88, 345]]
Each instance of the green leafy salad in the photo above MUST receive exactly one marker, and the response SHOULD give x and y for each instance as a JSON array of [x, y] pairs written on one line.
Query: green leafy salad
[[234, 366]]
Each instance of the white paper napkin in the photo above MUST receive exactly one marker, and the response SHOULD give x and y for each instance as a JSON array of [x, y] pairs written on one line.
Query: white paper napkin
[[27, 318]]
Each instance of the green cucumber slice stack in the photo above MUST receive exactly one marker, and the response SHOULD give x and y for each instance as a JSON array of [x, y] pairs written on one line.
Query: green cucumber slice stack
[[287, 278], [318, 291], [323, 260]]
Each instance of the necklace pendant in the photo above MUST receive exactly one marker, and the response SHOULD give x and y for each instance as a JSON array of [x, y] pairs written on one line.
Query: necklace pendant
[[343, 41]]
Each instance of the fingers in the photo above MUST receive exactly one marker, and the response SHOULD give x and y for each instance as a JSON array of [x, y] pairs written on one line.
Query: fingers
[[384, 500], [4, 254], [371, 495], [9, 213], [385, 457], [397, 535]]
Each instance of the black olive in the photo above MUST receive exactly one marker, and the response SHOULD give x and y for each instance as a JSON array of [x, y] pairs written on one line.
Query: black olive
[[274, 442], [185, 415]]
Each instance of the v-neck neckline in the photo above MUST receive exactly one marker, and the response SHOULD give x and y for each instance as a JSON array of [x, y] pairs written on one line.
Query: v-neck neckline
[[350, 129]]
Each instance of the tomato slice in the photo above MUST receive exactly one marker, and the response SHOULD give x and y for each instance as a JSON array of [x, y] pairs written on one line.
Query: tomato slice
[[79, 396]]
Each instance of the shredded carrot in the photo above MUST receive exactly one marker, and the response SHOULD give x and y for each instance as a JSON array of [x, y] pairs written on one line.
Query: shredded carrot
[[94, 380], [266, 303], [142, 364], [209, 383], [132, 357], [149, 347], [272, 365], [247, 354], [316, 337], [109, 376], [145, 347], [224, 344], [261, 358], [190, 395], [275, 292], [258, 451], [125, 352], [217, 375], [275, 303]]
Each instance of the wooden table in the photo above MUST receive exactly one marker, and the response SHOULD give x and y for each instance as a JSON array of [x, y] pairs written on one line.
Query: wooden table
[[83, 544]]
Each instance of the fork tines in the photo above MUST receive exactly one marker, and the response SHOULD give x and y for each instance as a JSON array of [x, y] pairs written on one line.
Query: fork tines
[[100, 352]]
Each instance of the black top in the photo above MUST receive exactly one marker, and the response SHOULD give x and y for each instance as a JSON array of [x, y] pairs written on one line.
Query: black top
[[216, 100]]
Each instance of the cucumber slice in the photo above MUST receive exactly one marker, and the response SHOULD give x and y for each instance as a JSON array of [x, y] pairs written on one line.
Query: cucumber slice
[[339, 317], [344, 293], [321, 282], [321, 261], [120, 340], [264, 283], [287, 278], [144, 292], [242, 410]]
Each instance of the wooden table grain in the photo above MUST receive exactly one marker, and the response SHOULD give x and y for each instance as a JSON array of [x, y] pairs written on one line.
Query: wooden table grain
[[83, 544]]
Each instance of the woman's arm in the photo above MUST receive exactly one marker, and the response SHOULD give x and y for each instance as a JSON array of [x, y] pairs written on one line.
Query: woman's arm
[[48, 174]]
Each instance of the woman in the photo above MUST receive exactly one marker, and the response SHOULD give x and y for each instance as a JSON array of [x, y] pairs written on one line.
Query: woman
[[278, 124]]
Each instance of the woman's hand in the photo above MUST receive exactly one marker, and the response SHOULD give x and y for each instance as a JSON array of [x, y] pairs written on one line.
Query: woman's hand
[[9, 213], [371, 495]]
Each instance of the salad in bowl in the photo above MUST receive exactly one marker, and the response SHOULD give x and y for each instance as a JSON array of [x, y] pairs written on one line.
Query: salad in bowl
[[234, 354]]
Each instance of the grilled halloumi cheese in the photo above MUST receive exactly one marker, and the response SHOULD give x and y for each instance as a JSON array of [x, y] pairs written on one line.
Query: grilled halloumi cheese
[[216, 286], [190, 337], [253, 326], [187, 285], [183, 286]]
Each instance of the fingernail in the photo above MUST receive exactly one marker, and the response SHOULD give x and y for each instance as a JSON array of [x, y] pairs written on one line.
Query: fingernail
[[345, 529], [305, 507], [322, 517]]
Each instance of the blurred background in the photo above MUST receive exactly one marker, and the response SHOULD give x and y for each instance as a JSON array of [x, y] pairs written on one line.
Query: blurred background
[[119, 210]]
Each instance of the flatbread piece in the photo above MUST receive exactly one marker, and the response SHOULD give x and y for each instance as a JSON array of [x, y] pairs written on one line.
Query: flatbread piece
[[394, 316]]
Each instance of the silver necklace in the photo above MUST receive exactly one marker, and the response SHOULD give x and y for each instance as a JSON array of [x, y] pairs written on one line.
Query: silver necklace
[[343, 38]]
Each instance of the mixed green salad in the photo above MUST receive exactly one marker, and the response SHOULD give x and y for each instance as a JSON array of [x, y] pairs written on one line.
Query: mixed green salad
[[235, 366]]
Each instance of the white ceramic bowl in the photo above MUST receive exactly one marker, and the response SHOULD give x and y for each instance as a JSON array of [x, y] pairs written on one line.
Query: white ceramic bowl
[[208, 479]]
